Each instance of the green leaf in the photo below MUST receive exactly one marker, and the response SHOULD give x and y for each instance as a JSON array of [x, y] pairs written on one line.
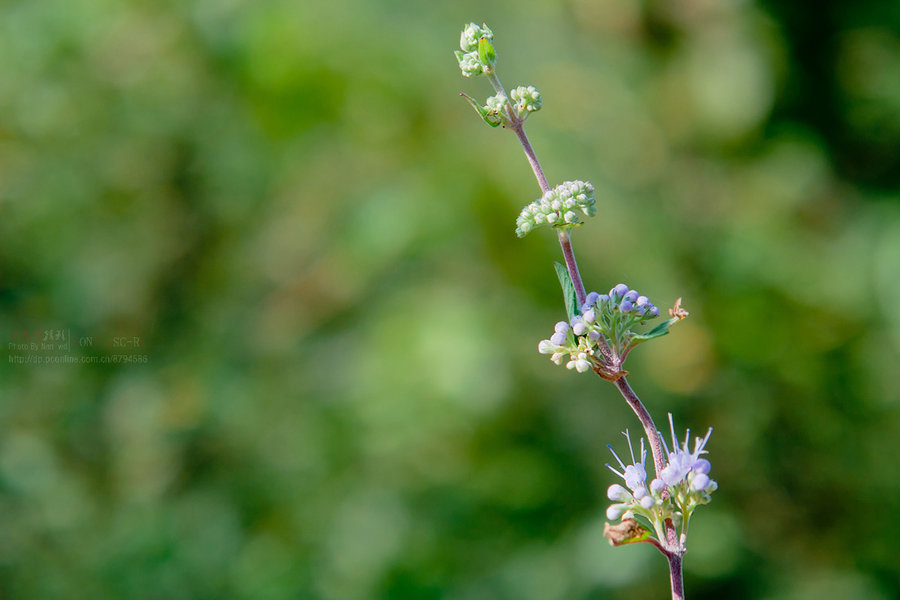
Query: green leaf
[[658, 331], [568, 288], [485, 116], [486, 53]]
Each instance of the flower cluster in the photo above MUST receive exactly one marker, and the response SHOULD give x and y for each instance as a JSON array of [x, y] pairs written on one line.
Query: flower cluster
[[558, 207], [495, 110], [525, 100], [681, 486], [686, 474], [604, 332], [474, 60]]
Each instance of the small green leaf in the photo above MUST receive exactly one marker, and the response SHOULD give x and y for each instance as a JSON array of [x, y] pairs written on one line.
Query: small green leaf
[[658, 331], [480, 110], [486, 53], [568, 288]]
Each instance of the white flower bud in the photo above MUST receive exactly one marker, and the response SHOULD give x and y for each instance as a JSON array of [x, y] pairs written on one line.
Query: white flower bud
[[615, 511], [617, 493]]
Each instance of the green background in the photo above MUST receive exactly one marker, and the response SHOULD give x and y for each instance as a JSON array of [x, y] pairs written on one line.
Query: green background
[[313, 237]]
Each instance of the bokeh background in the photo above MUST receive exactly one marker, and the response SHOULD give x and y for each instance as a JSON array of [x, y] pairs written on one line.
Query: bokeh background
[[312, 236]]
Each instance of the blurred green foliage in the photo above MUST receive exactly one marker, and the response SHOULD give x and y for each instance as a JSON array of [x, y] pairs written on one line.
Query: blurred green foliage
[[313, 234]]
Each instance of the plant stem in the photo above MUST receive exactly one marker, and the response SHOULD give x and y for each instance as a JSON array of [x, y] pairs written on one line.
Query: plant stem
[[675, 578], [659, 458], [519, 130], [673, 549], [565, 242]]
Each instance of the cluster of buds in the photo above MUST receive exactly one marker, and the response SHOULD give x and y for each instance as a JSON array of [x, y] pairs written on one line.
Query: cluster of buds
[[500, 111], [604, 332], [477, 56], [525, 100], [682, 485], [558, 207]]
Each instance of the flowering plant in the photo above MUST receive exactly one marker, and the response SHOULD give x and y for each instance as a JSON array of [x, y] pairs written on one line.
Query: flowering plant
[[599, 333]]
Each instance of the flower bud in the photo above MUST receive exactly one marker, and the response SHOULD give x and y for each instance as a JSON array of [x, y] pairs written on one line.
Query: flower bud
[[625, 306], [617, 493], [615, 511], [701, 481], [647, 502], [631, 296], [547, 347], [619, 291], [579, 328], [591, 300], [701, 466], [657, 486], [642, 301], [561, 327], [589, 315], [558, 338]]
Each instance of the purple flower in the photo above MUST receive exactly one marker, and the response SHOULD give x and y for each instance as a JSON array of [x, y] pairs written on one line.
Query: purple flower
[[634, 474], [643, 301], [631, 296], [681, 461], [558, 338], [591, 300], [603, 298], [654, 312], [626, 306], [561, 327], [589, 315]]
